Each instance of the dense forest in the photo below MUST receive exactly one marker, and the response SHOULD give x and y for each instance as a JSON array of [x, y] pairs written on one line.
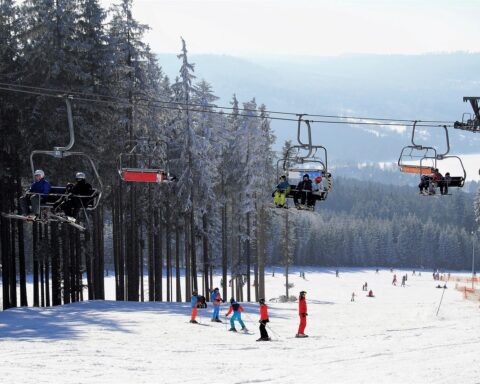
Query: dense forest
[[52, 49], [371, 224], [216, 217]]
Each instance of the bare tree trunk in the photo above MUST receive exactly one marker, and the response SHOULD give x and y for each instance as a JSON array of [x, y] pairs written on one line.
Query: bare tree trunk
[[21, 265], [36, 294], [206, 264], [248, 250], [141, 263], [261, 254], [168, 240], [89, 263], [46, 264], [5, 240], [224, 252], [100, 255], [186, 245], [178, 294], [12, 265], [66, 264], [193, 250], [56, 272], [150, 245], [158, 260], [78, 267]]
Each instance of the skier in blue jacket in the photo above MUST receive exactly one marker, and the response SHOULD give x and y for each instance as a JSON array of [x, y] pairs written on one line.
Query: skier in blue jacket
[[40, 186], [237, 310], [193, 303], [216, 299]]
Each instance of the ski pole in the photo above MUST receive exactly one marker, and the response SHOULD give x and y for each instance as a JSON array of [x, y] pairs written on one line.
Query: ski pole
[[275, 333], [440, 301]]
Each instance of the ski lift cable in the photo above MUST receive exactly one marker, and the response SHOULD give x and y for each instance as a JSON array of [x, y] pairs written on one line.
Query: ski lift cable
[[90, 94], [179, 106]]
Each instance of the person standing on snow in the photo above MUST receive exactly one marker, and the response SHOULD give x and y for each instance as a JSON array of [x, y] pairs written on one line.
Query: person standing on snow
[[302, 312], [394, 281], [216, 299], [237, 310], [263, 321], [193, 303]]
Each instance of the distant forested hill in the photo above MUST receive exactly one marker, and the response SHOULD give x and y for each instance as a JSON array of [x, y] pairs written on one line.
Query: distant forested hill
[[363, 223], [429, 86]]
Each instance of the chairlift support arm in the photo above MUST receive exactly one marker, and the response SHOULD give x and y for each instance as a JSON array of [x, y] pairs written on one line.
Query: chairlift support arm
[[421, 147], [309, 132]]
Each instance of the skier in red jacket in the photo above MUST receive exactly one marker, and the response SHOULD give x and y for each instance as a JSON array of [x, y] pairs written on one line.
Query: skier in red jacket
[[302, 312], [263, 321]]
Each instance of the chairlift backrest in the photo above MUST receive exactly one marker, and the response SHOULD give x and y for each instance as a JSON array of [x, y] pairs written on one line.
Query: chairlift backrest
[[64, 152]]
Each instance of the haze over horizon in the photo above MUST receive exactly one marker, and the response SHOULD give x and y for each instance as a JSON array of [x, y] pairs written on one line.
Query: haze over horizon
[[309, 27]]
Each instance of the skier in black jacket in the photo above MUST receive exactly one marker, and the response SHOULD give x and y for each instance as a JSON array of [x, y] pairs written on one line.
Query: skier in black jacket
[[76, 201], [304, 191]]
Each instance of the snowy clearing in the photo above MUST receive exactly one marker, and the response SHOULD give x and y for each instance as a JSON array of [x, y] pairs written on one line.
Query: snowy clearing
[[394, 337]]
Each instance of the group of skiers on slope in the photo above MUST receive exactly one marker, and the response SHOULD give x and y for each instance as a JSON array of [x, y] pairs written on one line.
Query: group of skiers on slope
[[305, 189], [237, 310], [30, 203]]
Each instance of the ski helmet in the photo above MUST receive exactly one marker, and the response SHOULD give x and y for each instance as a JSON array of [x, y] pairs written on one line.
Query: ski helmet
[[261, 301], [318, 179], [80, 175], [306, 176], [303, 293], [40, 173], [232, 301]]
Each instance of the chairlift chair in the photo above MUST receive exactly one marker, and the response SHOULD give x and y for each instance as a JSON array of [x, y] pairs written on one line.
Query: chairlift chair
[[314, 163], [136, 164], [59, 194], [423, 160], [470, 122]]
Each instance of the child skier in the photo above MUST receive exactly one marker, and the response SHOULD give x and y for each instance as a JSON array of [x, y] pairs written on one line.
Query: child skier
[[302, 312], [193, 303], [216, 299], [237, 310], [263, 321]]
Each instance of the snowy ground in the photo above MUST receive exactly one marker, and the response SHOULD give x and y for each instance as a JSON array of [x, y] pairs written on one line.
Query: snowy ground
[[394, 337]]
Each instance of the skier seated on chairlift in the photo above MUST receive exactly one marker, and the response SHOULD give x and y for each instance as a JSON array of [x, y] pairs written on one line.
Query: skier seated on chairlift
[[424, 184], [437, 180], [39, 187], [74, 201], [281, 191], [304, 192], [445, 183]]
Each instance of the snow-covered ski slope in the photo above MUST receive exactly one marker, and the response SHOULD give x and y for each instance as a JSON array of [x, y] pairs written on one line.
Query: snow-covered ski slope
[[392, 338]]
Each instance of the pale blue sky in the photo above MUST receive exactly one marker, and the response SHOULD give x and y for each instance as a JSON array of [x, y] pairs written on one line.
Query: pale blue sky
[[310, 27]]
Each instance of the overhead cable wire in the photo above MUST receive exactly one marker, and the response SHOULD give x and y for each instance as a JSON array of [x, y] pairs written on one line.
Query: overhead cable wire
[[179, 106]]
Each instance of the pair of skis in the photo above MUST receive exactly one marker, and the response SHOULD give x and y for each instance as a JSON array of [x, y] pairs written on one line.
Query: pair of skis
[[51, 217]]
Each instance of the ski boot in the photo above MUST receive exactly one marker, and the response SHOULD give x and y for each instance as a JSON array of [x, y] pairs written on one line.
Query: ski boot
[[264, 339], [244, 329], [232, 330], [194, 321], [300, 335]]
